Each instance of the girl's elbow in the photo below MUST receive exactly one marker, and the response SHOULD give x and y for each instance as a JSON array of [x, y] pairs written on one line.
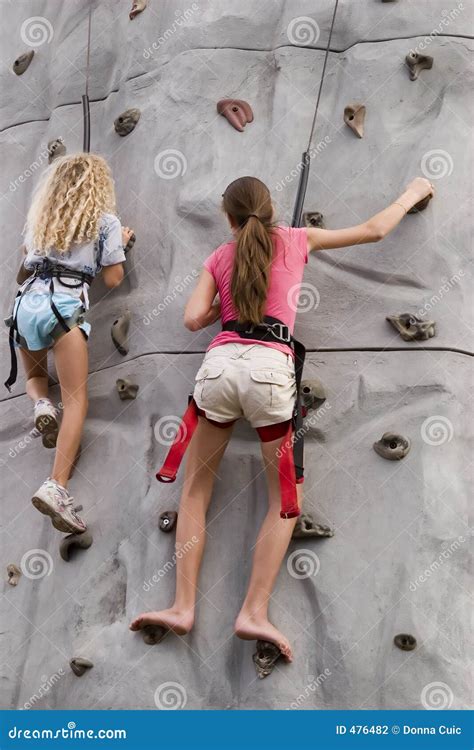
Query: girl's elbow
[[191, 323], [375, 232]]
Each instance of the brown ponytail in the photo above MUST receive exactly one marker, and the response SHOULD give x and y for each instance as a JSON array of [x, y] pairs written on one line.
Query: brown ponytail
[[248, 203]]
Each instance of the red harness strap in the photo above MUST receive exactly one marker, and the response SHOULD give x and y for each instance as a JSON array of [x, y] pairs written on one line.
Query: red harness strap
[[286, 470], [168, 471]]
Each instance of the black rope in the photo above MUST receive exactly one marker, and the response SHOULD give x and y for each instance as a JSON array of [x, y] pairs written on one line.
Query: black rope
[[86, 146]]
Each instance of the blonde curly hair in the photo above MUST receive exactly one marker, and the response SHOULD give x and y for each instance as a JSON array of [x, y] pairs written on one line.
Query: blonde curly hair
[[69, 201]]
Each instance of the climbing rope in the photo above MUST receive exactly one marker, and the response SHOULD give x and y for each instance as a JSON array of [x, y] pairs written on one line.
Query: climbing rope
[[86, 145], [306, 157]]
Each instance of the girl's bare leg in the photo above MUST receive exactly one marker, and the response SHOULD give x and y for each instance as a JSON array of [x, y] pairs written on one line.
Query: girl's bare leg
[[71, 360], [36, 371], [204, 455], [272, 542]]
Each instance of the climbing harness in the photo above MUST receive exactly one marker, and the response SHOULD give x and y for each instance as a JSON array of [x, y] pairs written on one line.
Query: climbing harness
[[86, 113], [291, 467], [51, 271]]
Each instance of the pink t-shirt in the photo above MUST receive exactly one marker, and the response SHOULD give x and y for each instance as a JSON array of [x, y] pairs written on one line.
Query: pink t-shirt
[[290, 254]]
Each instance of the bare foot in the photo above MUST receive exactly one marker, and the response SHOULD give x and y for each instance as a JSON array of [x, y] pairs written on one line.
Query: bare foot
[[252, 628], [179, 621]]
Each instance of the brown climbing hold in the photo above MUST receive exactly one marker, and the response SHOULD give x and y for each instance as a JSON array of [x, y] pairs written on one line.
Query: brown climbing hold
[[313, 219], [168, 520], [22, 63], [126, 122], [411, 327], [79, 665], [153, 634], [126, 389], [392, 446], [236, 111], [137, 7], [312, 393], [421, 205], [265, 658], [74, 541], [130, 243], [119, 332], [417, 63], [405, 641], [14, 574], [306, 527], [354, 116], [56, 148]]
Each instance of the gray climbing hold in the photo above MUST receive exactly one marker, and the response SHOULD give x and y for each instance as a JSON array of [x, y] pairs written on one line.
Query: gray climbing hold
[[56, 148], [392, 446], [313, 219], [120, 328], [405, 641], [421, 205], [417, 63], [14, 574], [127, 390], [412, 328], [312, 393], [354, 117], [137, 7], [78, 508], [265, 658], [168, 520], [79, 665], [73, 542], [307, 527], [130, 243], [22, 63], [153, 634], [126, 122]]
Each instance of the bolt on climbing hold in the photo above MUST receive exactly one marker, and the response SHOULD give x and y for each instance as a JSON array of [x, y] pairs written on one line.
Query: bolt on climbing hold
[[22, 63], [392, 446], [236, 111], [405, 641], [126, 389], [421, 205], [312, 394], [411, 327], [56, 148], [137, 7], [79, 665], [14, 574], [417, 63], [130, 243], [168, 520], [313, 219], [153, 634], [119, 332], [265, 658], [307, 527], [354, 116], [126, 122], [74, 541]]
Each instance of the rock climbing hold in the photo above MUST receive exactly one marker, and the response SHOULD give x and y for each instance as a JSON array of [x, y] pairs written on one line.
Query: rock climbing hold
[[306, 527], [78, 508], [312, 393], [313, 219], [405, 641], [74, 541], [79, 665], [265, 658], [236, 111], [56, 148], [130, 243], [119, 332], [168, 520], [412, 328], [354, 116], [126, 389], [417, 63], [14, 574], [22, 63], [421, 205], [392, 446], [153, 634], [126, 122], [137, 7]]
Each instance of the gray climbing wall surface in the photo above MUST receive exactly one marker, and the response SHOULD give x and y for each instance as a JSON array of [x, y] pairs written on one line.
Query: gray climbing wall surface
[[398, 561]]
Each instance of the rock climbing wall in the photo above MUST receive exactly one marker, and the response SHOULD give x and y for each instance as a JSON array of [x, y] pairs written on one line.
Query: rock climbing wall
[[398, 561]]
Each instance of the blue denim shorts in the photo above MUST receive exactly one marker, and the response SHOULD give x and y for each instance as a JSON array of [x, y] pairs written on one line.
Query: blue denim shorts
[[37, 324]]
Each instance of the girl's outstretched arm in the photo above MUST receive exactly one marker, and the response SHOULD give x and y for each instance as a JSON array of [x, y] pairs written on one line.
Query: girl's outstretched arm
[[113, 275], [375, 228], [201, 310], [23, 273]]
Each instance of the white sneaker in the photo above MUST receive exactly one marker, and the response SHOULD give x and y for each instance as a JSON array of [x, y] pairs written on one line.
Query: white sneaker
[[55, 501], [46, 421]]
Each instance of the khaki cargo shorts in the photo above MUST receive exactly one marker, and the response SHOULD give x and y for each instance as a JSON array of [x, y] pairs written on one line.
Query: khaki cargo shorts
[[246, 380]]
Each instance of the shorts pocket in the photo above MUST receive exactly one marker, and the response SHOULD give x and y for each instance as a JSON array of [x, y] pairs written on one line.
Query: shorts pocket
[[277, 386], [206, 379]]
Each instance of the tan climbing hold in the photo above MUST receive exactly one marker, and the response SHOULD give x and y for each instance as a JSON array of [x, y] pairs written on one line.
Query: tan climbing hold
[[354, 117], [127, 121], [127, 390], [307, 527], [22, 63], [153, 634], [405, 641], [417, 63], [313, 219], [120, 328], [74, 542], [265, 658], [312, 393], [411, 327], [237, 112], [14, 574], [137, 7], [56, 148], [168, 520], [80, 666], [392, 446]]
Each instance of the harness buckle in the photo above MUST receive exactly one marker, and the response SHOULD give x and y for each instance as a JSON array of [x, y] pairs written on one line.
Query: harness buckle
[[281, 331]]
